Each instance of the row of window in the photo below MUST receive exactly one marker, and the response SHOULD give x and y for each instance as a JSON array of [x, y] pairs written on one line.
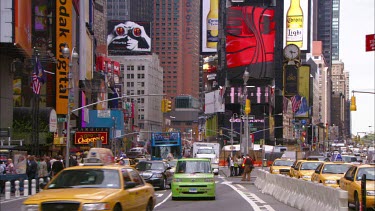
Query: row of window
[[131, 76], [131, 67]]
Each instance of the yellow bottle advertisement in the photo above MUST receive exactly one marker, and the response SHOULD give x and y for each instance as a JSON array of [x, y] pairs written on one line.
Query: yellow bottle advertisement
[[294, 24], [212, 25]]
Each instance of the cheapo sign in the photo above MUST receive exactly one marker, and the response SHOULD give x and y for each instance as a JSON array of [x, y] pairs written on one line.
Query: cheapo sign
[[85, 137]]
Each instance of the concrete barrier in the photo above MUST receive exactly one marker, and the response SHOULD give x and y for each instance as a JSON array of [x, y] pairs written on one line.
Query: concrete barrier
[[303, 195]]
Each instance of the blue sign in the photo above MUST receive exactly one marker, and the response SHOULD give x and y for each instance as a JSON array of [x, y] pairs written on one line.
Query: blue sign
[[303, 122], [338, 157]]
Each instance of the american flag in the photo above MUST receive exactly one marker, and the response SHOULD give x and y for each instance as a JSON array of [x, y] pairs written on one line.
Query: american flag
[[38, 77], [296, 102]]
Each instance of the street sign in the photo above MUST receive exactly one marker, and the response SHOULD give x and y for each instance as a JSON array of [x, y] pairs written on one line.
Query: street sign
[[61, 119], [370, 42], [338, 157]]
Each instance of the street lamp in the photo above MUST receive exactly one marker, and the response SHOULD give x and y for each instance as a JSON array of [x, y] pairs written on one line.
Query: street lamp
[[245, 77], [68, 55], [231, 133]]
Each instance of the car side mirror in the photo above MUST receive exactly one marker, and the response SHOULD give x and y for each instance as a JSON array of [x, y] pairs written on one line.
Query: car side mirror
[[130, 185]]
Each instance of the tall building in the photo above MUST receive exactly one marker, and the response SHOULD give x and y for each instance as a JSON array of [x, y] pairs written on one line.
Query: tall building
[[324, 28], [335, 29], [175, 39], [136, 10]]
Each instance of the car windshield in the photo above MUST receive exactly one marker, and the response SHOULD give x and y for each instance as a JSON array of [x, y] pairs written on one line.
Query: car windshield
[[193, 167], [283, 163], [349, 159], [206, 151], [309, 165], [335, 168], [369, 171], [86, 178], [144, 166]]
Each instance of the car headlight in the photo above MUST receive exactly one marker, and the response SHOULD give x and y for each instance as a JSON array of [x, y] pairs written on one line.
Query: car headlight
[[209, 180], [95, 206], [157, 175], [306, 177], [275, 171], [30, 207], [330, 182], [176, 180], [217, 160], [370, 192]]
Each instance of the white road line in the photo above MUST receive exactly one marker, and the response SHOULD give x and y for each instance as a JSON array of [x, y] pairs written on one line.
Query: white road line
[[257, 198], [159, 195], [240, 186], [252, 203], [3, 201], [268, 207], [163, 200]]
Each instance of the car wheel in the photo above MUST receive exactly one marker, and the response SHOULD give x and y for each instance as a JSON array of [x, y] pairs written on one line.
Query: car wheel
[[117, 208], [356, 201], [149, 205], [164, 184]]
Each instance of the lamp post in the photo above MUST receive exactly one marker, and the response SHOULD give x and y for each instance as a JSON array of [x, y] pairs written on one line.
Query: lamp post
[[71, 55], [231, 132], [245, 77]]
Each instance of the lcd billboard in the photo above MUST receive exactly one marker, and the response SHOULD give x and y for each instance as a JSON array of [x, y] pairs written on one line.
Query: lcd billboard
[[297, 23], [128, 37], [209, 25]]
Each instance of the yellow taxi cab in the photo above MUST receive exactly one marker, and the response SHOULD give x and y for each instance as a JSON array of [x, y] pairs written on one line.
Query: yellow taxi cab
[[94, 186], [126, 162], [351, 182], [306, 168], [281, 166], [330, 173], [294, 167]]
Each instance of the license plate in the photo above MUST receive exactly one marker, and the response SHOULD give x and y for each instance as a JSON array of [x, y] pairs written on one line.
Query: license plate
[[192, 190]]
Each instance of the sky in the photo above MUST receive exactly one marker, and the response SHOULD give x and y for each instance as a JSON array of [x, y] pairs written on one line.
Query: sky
[[356, 21]]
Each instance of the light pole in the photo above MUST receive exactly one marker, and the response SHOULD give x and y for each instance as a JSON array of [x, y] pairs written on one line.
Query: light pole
[[245, 77], [71, 55], [231, 132]]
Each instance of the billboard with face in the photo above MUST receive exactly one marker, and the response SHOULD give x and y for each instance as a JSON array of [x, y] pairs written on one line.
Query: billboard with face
[[128, 37], [297, 23]]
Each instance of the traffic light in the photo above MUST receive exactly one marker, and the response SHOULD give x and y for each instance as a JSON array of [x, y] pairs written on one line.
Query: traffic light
[[168, 105], [163, 105], [353, 106], [248, 107]]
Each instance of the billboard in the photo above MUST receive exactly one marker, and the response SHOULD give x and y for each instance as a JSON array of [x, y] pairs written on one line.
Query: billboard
[[250, 39], [209, 25], [297, 23], [6, 22], [22, 28], [63, 35], [128, 37], [304, 91], [90, 137], [214, 102], [370, 42]]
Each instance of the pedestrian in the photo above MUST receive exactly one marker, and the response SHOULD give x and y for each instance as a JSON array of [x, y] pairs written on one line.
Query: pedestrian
[[248, 162], [57, 166], [228, 161], [239, 163], [231, 163], [235, 166], [10, 169], [49, 166], [31, 170], [42, 169]]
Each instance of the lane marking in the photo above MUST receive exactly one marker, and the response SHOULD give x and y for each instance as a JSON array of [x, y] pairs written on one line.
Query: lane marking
[[3, 201], [162, 202]]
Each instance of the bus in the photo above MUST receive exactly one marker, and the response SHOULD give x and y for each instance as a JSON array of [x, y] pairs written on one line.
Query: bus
[[163, 143]]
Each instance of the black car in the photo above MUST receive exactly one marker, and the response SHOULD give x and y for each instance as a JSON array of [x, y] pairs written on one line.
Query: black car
[[156, 173]]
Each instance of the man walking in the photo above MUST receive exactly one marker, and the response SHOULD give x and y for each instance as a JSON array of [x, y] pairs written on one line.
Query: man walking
[[248, 168], [31, 170]]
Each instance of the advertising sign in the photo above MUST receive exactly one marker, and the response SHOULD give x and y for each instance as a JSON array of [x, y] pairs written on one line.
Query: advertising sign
[[20, 161], [304, 91], [297, 23], [290, 80], [214, 102], [250, 39], [90, 137], [128, 37], [370, 42], [22, 27], [210, 26], [63, 35]]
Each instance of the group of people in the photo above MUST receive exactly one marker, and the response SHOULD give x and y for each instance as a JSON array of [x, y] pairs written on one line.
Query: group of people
[[240, 166], [34, 168]]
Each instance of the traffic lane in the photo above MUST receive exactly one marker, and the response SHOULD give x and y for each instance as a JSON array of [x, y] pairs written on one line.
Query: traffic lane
[[226, 199], [13, 204]]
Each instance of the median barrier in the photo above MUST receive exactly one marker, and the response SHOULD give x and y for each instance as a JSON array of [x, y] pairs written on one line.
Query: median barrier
[[15, 191], [303, 195]]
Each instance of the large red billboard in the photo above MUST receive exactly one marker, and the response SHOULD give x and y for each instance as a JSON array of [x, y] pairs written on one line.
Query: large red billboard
[[250, 39]]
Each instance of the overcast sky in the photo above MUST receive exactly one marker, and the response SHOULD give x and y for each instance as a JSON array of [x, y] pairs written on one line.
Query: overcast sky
[[357, 20]]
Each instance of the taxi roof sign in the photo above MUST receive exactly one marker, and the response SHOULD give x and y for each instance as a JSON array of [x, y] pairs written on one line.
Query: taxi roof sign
[[99, 156], [337, 157]]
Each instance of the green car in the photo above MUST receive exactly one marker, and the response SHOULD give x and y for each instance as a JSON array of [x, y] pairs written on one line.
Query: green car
[[193, 177]]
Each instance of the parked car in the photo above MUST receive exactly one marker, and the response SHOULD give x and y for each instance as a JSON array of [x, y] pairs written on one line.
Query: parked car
[[155, 172], [193, 178], [94, 186], [330, 173], [351, 182]]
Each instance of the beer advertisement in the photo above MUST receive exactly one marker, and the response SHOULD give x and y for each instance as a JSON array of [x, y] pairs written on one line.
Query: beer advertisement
[[297, 23], [210, 26]]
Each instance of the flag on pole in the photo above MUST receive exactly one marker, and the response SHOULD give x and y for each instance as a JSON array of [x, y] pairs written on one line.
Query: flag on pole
[[38, 77], [296, 102]]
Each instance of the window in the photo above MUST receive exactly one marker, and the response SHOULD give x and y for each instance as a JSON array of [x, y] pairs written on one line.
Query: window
[[136, 178]]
